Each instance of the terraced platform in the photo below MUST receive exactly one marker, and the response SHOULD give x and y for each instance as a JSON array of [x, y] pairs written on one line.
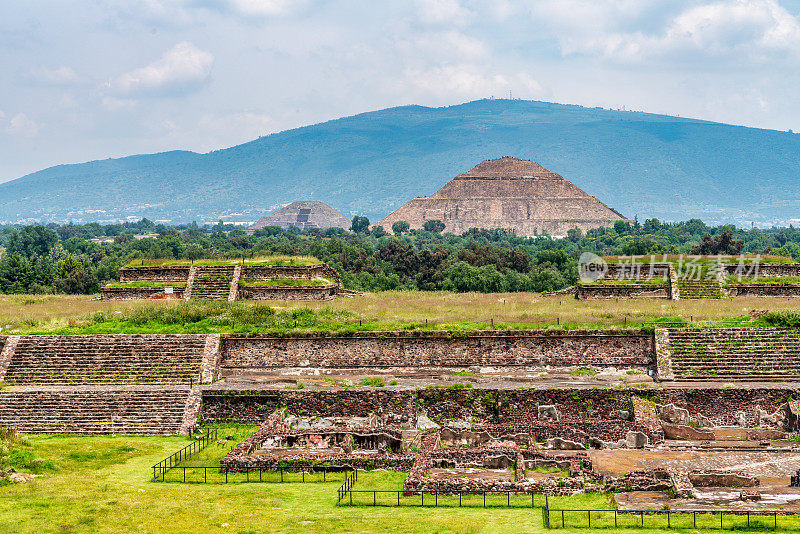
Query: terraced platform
[[699, 289], [753, 354], [153, 410], [213, 283], [106, 359]]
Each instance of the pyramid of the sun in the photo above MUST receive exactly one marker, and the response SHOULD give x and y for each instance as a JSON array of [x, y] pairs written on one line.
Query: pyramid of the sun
[[303, 214], [508, 193]]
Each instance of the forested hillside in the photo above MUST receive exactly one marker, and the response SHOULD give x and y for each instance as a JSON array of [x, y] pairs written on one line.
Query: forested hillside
[[640, 164]]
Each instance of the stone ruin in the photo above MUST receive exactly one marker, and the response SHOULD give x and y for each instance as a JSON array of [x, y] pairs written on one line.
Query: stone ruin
[[511, 194], [303, 214]]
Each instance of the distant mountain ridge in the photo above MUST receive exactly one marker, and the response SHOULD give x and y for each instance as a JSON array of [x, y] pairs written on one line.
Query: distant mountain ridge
[[640, 164]]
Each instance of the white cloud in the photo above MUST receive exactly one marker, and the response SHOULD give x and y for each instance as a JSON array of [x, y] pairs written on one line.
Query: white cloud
[[22, 126], [179, 71], [445, 12], [448, 45], [454, 82], [115, 104], [58, 76], [256, 8], [741, 30]]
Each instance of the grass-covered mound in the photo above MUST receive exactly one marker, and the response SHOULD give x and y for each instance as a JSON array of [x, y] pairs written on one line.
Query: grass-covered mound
[[302, 261]]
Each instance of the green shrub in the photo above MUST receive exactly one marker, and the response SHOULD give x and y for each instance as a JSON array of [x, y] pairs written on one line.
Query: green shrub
[[376, 382]]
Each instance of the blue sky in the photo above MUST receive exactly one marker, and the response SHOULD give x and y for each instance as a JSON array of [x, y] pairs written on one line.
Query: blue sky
[[89, 79]]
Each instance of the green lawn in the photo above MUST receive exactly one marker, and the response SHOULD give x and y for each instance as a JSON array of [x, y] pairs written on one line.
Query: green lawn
[[102, 484]]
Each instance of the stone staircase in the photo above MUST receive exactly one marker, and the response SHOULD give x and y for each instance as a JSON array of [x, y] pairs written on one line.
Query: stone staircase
[[213, 283], [95, 410], [735, 354], [704, 288], [106, 359]]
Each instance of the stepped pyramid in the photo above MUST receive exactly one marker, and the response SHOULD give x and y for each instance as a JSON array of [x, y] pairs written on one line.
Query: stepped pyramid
[[509, 193], [303, 214]]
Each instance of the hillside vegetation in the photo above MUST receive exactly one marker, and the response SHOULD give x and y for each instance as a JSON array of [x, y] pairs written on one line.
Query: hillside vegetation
[[68, 258], [640, 164]]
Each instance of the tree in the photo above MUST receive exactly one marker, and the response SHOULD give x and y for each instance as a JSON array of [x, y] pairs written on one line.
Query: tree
[[378, 232], [193, 252], [32, 240], [574, 234], [360, 225], [68, 266], [722, 244], [400, 227], [651, 226], [80, 281], [436, 226], [622, 227]]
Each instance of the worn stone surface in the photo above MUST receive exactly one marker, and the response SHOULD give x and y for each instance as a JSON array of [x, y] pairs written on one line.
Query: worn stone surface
[[507, 193], [303, 214], [386, 349], [141, 293], [686, 432]]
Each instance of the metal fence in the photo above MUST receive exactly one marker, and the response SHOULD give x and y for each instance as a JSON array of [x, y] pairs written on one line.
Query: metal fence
[[347, 496], [214, 474], [668, 519], [175, 458]]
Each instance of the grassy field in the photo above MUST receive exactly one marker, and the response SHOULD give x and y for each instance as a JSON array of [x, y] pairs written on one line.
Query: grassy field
[[102, 484], [393, 310]]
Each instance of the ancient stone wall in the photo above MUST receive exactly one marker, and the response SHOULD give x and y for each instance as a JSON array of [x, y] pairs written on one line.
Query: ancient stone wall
[[764, 290], [328, 292], [140, 293], [159, 274], [297, 272], [764, 269], [591, 348], [392, 407], [604, 414], [612, 291], [636, 271]]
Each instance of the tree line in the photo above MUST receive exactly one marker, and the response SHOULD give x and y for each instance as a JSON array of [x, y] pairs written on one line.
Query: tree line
[[75, 258]]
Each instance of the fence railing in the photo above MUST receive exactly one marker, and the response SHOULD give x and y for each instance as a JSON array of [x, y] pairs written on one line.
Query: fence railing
[[665, 519], [349, 482], [458, 499], [177, 457], [214, 474]]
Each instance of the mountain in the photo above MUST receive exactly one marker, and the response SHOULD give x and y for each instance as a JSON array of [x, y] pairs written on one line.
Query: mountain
[[640, 164]]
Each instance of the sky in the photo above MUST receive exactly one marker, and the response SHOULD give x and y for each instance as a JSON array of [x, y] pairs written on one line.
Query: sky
[[90, 79]]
